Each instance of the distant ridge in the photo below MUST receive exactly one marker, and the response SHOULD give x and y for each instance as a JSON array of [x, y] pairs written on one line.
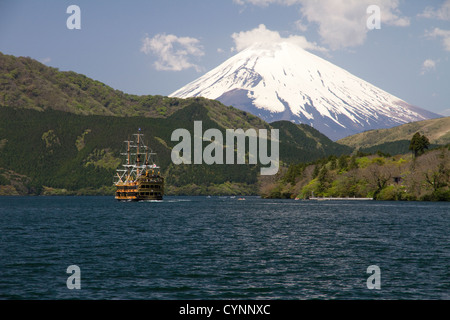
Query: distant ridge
[[436, 130]]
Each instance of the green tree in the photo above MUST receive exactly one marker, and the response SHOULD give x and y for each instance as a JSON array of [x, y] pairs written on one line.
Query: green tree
[[342, 162], [333, 162], [323, 179], [353, 164], [316, 170], [418, 144], [439, 176], [4, 181]]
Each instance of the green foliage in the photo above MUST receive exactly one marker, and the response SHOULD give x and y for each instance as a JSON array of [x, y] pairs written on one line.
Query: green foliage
[[323, 180], [103, 159], [396, 140], [3, 181], [64, 151], [363, 162], [294, 171], [50, 139], [316, 171], [343, 163], [75, 143], [418, 144], [28, 84], [80, 143], [280, 193], [73, 147], [333, 162], [438, 195], [302, 143], [392, 193], [379, 176], [353, 163], [310, 189]]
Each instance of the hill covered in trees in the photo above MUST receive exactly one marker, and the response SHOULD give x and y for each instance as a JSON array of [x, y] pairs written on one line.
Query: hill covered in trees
[[55, 152], [27, 83], [396, 140], [62, 133], [379, 176]]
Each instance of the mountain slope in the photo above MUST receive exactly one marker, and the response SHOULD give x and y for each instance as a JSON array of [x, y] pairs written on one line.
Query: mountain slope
[[436, 130], [62, 150], [282, 81], [28, 84], [301, 143], [64, 130]]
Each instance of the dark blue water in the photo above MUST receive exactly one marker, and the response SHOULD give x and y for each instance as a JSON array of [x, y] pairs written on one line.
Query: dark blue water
[[222, 248]]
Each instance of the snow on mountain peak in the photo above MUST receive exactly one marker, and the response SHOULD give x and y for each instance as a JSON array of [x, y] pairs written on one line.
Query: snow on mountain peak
[[282, 81]]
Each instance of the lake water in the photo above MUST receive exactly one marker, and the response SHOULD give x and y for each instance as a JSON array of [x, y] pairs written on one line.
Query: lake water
[[222, 248]]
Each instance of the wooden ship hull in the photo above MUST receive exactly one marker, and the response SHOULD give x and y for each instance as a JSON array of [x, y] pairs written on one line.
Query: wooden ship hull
[[145, 190]]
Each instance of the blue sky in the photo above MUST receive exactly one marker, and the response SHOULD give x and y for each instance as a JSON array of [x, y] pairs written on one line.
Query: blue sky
[[156, 47]]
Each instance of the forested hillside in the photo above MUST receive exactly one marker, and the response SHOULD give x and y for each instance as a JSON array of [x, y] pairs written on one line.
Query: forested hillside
[[62, 133], [55, 152], [396, 140], [379, 176]]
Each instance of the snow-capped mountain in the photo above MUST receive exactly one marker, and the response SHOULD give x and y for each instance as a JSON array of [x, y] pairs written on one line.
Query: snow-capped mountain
[[282, 81]]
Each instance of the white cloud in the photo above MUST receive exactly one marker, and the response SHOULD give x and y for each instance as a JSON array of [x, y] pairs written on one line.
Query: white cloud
[[262, 3], [443, 13], [440, 33], [300, 25], [428, 65], [174, 53], [341, 23], [45, 60], [262, 35]]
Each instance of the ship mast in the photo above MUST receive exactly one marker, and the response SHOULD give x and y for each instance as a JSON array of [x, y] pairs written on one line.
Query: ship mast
[[135, 164], [128, 159], [138, 155], [128, 152]]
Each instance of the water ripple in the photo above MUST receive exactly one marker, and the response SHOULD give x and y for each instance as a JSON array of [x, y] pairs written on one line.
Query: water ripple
[[221, 248]]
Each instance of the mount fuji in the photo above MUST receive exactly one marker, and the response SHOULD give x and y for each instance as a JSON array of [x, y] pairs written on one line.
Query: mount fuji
[[282, 81]]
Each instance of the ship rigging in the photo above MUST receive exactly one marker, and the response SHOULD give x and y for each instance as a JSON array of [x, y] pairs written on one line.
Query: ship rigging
[[139, 177]]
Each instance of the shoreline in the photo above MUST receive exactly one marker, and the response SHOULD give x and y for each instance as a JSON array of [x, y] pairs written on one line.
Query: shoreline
[[315, 199]]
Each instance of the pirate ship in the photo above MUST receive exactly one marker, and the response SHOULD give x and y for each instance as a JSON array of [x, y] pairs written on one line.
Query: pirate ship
[[138, 178]]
